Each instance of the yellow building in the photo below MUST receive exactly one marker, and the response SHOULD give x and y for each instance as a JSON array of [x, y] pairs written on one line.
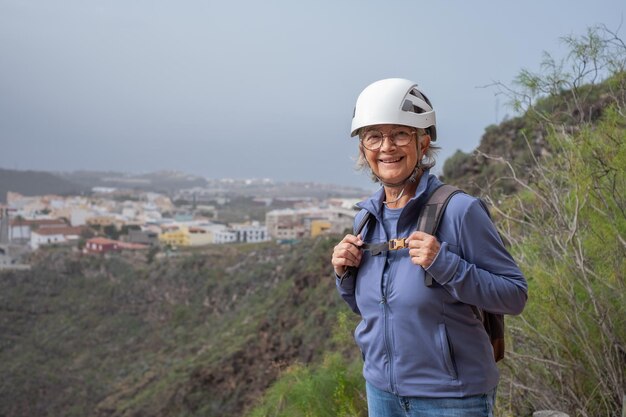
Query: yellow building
[[185, 236], [177, 237], [320, 226], [103, 221]]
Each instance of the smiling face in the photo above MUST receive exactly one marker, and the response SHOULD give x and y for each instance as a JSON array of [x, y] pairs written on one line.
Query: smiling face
[[392, 163]]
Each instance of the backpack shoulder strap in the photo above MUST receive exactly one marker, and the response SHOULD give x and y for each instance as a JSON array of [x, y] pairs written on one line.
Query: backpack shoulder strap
[[432, 212], [358, 229], [362, 223]]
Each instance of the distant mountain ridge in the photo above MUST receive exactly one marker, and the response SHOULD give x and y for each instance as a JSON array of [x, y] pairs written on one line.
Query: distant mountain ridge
[[31, 183], [159, 181]]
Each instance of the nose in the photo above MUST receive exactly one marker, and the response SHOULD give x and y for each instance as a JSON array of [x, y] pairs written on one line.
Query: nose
[[388, 143]]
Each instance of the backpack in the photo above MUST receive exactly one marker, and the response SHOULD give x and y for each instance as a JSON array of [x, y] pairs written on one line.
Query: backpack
[[428, 222]]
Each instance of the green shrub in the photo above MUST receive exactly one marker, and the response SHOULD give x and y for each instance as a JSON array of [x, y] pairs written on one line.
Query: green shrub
[[335, 388], [568, 232]]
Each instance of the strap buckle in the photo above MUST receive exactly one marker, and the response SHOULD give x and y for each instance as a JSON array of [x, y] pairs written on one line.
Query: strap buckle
[[396, 244]]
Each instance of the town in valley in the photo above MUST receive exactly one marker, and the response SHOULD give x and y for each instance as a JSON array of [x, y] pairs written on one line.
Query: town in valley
[[109, 219]]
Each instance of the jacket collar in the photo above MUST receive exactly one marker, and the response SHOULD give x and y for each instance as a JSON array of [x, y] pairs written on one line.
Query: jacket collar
[[374, 204]]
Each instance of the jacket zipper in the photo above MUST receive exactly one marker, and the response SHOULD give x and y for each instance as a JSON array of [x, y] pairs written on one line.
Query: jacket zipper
[[386, 328]]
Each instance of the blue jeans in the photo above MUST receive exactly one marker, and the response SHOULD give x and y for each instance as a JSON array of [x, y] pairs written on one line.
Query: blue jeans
[[384, 404]]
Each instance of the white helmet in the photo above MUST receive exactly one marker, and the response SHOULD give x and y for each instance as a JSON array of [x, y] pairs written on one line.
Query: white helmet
[[394, 101]]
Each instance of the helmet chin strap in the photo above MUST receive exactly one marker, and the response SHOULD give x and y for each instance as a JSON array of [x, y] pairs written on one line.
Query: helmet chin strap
[[411, 178]]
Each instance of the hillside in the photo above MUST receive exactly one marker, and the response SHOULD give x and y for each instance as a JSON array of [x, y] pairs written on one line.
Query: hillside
[[204, 333], [521, 140], [32, 183]]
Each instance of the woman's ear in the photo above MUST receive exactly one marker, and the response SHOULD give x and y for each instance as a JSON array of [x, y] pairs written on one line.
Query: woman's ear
[[424, 143]]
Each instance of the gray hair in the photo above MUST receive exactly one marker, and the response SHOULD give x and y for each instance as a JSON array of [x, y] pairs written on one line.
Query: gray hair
[[427, 162]]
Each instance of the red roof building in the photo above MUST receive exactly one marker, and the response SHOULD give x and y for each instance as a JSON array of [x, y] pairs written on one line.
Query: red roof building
[[101, 245], [104, 245]]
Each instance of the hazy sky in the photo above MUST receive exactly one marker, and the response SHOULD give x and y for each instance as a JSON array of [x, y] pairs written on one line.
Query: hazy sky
[[254, 88]]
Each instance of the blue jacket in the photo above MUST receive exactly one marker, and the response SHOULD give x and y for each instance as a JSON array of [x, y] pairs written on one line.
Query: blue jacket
[[427, 341]]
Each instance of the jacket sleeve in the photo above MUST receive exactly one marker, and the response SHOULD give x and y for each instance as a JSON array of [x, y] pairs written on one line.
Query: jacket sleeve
[[346, 286], [483, 274]]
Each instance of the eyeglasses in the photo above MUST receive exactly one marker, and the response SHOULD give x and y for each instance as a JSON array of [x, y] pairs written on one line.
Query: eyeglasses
[[373, 139]]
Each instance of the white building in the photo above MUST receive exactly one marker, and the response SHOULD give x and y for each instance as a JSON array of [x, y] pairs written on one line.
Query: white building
[[224, 236], [79, 216], [20, 228], [251, 233], [129, 212], [287, 224], [53, 235]]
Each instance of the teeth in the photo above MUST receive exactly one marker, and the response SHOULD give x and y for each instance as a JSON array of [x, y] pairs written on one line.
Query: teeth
[[390, 161]]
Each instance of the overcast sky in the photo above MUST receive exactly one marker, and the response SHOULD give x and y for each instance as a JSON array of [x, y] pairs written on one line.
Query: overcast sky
[[245, 89]]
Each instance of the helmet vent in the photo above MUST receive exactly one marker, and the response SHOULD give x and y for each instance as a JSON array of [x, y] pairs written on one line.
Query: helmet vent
[[421, 98], [408, 106], [417, 94]]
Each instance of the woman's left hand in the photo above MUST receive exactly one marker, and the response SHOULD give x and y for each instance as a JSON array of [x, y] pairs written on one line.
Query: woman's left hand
[[423, 248]]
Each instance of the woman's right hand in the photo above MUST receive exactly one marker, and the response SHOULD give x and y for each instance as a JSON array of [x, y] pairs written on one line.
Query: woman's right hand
[[347, 253]]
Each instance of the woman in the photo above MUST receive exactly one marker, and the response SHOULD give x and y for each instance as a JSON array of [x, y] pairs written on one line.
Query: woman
[[425, 352]]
